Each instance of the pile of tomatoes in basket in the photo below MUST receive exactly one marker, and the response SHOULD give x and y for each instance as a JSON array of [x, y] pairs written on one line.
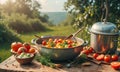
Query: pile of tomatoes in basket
[[111, 59], [18, 48]]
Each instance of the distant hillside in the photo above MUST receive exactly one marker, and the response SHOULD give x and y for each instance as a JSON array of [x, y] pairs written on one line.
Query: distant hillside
[[56, 17]]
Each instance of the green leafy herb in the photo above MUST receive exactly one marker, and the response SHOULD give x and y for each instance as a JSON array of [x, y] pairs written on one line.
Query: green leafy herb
[[45, 60]]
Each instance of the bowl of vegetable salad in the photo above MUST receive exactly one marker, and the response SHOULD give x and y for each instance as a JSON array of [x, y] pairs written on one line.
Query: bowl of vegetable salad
[[58, 48], [25, 58]]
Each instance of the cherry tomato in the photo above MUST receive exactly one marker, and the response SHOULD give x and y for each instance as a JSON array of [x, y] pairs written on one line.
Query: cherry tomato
[[115, 65], [16, 45], [27, 46], [32, 50], [59, 40], [69, 41], [114, 57], [85, 52], [69, 46], [107, 58], [21, 49], [90, 49], [95, 55], [100, 57], [44, 42]]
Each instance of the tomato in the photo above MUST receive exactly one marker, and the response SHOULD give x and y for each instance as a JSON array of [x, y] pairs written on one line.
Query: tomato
[[27, 46], [100, 57], [59, 40], [114, 57], [107, 58], [85, 52], [44, 42], [16, 45], [115, 65], [95, 55], [69, 41], [69, 46], [32, 50], [21, 49], [90, 49]]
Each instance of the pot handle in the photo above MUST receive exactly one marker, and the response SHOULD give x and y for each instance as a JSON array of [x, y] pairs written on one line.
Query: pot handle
[[85, 43]]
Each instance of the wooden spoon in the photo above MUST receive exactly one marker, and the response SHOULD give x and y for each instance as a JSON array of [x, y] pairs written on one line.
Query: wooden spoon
[[74, 34]]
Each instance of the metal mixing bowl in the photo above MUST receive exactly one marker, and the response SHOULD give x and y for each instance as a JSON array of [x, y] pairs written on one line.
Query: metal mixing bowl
[[60, 54]]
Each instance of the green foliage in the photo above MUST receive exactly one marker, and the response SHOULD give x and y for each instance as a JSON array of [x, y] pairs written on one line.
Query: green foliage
[[87, 12], [27, 7], [45, 60], [22, 24], [36, 25], [6, 35]]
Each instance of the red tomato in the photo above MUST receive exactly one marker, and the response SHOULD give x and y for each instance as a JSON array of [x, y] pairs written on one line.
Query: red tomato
[[85, 52], [107, 58], [32, 50], [59, 40], [114, 57], [69, 46], [115, 65], [100, 57], [95, 55], [27, 46], [90, 49], [44, 42], [21, 49], [69, 41], [16, 45]]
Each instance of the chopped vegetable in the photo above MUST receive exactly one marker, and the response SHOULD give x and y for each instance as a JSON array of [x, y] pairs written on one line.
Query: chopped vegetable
[[59, 43], [25, 55]]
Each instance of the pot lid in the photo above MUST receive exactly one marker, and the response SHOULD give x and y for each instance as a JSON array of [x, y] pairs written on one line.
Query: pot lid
[[106, 28]]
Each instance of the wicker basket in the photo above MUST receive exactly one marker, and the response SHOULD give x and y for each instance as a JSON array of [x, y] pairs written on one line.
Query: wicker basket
[[25, 60]]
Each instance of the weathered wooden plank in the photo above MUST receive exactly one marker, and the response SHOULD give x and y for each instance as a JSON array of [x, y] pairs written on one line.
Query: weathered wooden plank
[[11, 64]]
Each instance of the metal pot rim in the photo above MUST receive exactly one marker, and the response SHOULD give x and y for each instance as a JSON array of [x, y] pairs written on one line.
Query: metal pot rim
[[104, 28], [95, 32]]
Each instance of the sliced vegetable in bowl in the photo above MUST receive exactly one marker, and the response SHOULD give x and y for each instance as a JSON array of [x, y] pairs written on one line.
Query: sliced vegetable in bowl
[[25, 55], [59, 43], [25, 58]]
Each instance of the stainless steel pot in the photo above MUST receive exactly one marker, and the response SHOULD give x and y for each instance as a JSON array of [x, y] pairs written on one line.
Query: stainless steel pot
[[60, 54], [104, 37]]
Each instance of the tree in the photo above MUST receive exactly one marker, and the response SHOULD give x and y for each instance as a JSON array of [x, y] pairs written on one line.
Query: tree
[[27, 7], [87, 12]]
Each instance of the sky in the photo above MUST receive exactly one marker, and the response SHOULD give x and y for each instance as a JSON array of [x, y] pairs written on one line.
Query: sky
[[49, 5], [52, 5]]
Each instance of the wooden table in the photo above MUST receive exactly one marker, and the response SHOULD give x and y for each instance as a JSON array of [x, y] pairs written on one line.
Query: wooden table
[[11, 65]]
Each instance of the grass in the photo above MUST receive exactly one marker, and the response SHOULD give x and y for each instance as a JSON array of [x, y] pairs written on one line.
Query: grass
[[56, 30], [4, 51], [53, 31]]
